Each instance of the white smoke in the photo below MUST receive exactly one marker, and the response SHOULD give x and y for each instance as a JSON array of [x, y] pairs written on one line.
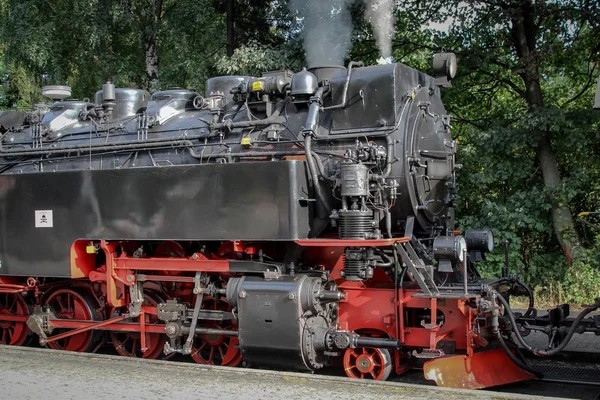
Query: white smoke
[[380, 14], [327, 29]]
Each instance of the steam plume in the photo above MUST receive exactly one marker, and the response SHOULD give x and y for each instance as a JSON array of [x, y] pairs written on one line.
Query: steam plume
[[327, 29], [380, 14]]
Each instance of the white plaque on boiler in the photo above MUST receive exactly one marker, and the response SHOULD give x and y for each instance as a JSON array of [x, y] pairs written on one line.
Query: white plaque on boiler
[[43, 219]]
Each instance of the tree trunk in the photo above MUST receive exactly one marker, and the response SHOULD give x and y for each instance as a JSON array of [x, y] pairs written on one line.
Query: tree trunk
[[151, 39], [151, 61], [230, 28], [524, 32]]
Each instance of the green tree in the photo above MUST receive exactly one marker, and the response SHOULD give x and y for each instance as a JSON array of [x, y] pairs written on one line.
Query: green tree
[[522, 104]]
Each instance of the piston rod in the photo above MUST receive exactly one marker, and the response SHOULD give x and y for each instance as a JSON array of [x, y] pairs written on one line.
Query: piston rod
[[210, 331], [377, 342]]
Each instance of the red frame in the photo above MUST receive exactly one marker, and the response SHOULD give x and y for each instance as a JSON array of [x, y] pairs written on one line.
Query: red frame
[[373, 307]]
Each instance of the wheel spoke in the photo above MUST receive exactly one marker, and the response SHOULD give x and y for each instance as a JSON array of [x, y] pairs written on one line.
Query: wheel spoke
[[135, 344], [60, 304], [12, 306], [212, 354]]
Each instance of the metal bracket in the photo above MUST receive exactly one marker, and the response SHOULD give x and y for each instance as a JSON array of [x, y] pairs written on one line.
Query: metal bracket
[[199, 291], [197, 285], [38, 322], [137, 299], [272, 275]]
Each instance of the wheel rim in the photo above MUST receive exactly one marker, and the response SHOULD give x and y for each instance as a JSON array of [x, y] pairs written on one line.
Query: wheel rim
[[68, 304], [216, 349], [368, 363], [128, 344], [13, 333]]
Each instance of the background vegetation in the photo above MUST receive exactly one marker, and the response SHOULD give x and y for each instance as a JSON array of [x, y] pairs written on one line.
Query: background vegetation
[[521, 102]]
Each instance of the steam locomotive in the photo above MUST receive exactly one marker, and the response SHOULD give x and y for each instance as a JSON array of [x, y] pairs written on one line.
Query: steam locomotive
[[292, 220]]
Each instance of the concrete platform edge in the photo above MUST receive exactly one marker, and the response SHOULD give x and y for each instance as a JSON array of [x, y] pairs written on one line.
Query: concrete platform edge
[[275, 374]]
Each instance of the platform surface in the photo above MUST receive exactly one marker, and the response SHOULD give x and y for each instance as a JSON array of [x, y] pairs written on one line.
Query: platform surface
[[29, 373]]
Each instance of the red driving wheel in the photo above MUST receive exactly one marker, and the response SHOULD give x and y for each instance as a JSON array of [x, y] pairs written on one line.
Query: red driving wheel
[[217, 349], [70, 304], [13, 333], [169, 249], [129, 344], [368, 363]]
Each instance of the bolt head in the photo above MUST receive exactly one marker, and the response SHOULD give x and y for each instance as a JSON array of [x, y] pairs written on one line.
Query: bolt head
[[243, 294], [170, 330]]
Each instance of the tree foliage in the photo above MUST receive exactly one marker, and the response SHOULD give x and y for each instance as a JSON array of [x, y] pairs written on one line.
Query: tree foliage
[[501, 127]]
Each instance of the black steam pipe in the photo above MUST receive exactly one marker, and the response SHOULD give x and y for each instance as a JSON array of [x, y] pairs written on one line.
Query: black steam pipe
[[402, 275], [311, 127], [377, 342], [507, 280], [563, 343], [312, 169], [312, 119], [142, 145], [388, 223], [273, 119], [524, 366], [253, 154], [531, 300], [158, 143], [388, 260], [346, 84], [321, 167], [246, 154]]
